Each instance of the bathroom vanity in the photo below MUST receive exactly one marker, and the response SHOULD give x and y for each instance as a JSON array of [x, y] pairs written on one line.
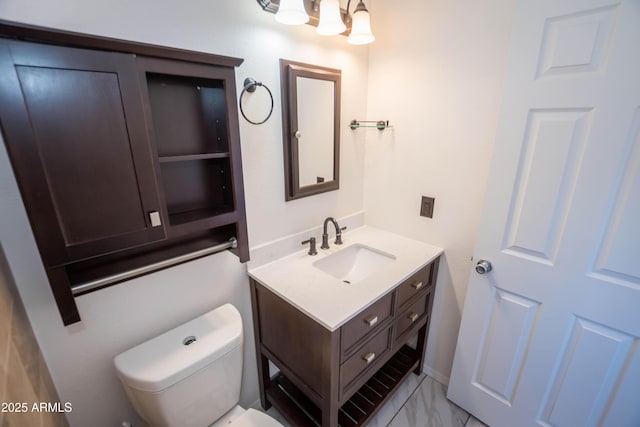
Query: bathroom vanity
[[339, 325]]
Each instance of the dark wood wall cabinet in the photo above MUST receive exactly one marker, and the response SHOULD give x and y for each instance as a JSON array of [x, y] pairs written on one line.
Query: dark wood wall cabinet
[[125, 154], [341, 377]]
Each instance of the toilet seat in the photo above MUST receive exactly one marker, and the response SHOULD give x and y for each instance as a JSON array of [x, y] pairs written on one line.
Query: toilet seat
[[253, 418]]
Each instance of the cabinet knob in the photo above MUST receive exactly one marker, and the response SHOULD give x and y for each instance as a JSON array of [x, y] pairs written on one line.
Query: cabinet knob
[[371, 320], [369, 357], [154, 217], [416, 285], [413, 317]]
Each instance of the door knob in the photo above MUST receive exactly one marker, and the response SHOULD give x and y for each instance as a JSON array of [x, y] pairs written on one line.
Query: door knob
[[483, 266]]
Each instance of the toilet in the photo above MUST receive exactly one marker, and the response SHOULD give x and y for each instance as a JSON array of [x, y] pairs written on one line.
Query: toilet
[[190, 376]]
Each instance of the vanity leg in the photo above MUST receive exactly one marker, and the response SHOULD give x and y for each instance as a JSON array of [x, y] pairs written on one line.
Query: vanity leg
[[422, 337], [330, 379], [263, 363], [264, 380], [424, 331]]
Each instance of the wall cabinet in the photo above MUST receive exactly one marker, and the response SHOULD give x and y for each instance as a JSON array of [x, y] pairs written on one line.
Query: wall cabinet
[[341, 377], [125, 154]]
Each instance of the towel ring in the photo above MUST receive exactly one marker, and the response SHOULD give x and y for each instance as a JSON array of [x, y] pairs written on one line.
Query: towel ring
[[250, 86]]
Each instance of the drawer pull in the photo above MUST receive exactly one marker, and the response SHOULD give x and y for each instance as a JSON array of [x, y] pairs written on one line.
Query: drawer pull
[[416, 285], [371, 320], [413, 317], [369, 357]]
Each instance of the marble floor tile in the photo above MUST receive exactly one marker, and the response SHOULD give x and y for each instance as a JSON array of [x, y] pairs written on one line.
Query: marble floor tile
[[393, 405], [273, 413], [474, 422], [428, 407]]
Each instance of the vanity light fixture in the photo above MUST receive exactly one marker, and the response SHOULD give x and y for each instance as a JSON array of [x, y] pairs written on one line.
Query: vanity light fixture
[[330, 18], [361, 27], [331, 22], [292, 12], [326, 15]]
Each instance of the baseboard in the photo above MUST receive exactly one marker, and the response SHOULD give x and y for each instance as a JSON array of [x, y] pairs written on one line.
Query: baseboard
[[442, 379]]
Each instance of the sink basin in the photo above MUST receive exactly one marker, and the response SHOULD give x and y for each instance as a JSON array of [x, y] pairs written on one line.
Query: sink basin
[[354, 263]]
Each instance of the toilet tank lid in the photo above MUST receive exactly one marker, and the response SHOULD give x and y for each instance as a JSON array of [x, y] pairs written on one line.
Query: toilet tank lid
[[166, 359]]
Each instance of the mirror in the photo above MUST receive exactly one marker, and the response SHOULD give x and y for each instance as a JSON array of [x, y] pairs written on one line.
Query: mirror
[[311, 128]]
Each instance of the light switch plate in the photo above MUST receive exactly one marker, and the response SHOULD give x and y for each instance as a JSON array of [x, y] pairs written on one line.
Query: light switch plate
[[426, 207]]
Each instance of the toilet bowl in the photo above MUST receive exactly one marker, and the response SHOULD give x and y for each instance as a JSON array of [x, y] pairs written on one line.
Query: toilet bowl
[[190, 376]]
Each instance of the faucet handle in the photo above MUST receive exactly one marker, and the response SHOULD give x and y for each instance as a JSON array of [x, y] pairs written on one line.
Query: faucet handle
[[339, 236], [312, 245]]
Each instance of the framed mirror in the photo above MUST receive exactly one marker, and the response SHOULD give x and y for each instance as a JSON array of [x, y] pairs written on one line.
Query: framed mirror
[[311, 128]]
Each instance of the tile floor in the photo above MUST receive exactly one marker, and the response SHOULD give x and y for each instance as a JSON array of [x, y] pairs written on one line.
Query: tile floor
[[419, 402]]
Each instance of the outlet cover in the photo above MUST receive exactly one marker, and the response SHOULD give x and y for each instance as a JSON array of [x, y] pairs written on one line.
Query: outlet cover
[[426, 207]]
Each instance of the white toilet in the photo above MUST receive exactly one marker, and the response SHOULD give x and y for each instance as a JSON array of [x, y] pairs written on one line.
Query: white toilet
[[190, 376]]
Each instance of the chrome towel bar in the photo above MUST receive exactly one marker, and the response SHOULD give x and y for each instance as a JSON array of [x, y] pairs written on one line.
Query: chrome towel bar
[[104, 281]]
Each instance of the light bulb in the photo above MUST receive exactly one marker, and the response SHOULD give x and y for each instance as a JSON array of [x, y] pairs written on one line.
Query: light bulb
[[330, 18], [292, 12], [361, 26]]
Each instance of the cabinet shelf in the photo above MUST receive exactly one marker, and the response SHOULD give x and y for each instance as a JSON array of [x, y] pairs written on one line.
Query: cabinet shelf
[[189, 157], [360, 407], [189, 114], [200, 219]]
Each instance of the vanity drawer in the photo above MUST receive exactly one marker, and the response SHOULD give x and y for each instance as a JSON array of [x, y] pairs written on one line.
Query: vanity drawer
[[365, 357], [415, 284], [367, 321], [412, 315]]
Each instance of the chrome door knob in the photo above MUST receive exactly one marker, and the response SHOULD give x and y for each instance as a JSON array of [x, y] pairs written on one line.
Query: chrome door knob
[[483, 266]]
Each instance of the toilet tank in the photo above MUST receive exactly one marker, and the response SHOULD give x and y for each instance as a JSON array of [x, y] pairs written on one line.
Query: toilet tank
[[188, 376]]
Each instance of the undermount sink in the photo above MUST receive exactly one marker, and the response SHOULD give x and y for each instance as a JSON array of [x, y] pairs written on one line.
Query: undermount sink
[[354, 263]]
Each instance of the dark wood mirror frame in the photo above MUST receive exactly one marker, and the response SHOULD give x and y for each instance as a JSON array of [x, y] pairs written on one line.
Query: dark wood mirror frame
[[289, 72]]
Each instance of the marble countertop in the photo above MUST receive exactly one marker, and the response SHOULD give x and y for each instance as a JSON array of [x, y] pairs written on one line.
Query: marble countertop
[[329, 300]]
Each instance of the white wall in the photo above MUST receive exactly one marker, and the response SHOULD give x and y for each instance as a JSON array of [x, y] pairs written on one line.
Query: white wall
[[80, 356], [436, 72]]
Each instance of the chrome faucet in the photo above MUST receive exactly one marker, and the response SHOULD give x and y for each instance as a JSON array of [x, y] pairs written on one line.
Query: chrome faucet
[[325, 235]]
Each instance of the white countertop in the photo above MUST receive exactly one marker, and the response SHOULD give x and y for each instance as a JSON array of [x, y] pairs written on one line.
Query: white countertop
[[328, 300]]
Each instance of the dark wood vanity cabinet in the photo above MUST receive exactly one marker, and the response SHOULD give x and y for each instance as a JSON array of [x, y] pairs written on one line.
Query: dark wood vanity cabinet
[[341, 377], [125, 154]]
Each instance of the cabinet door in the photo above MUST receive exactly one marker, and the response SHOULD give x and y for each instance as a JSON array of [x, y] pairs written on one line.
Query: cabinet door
[[74, 126]]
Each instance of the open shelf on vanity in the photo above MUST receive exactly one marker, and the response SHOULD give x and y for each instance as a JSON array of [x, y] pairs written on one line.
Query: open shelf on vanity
[[360, 407]]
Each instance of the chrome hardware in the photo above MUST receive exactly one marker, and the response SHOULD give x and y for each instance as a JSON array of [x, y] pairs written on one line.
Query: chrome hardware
[[413, 317], [371, 320], [154, 217], [483, 266], [416, 285], [297, 134], [118, 277], [369, 357]]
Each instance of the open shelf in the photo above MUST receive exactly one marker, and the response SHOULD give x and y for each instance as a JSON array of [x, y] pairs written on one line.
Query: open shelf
[[197, 189], [189, 114], [188, 157], [299, 410]]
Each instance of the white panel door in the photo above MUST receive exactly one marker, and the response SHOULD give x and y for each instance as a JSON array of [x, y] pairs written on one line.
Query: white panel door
[[550, 336]]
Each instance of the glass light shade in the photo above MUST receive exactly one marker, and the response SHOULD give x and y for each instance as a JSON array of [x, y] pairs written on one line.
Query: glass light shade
[[291, 12], [361, 26], [330, 19]]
